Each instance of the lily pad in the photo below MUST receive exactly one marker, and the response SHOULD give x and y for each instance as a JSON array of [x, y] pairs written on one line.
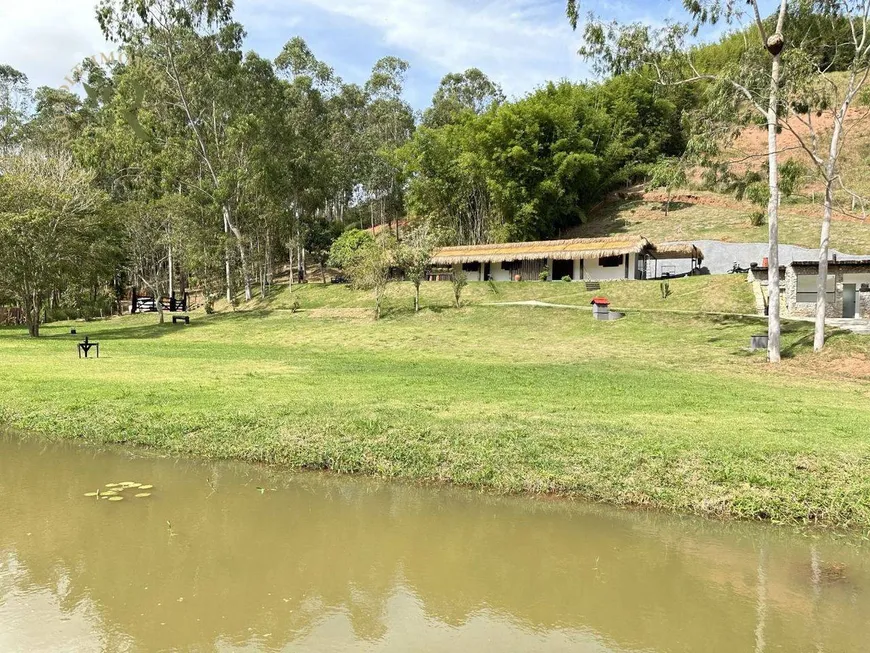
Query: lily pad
[[146, 487], [112, 484], [116, 498], [92, 494], [142, 495]]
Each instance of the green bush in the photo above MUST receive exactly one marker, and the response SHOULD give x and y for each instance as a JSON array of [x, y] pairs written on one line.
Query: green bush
[[566, 278], [544, 274], [758, 218]]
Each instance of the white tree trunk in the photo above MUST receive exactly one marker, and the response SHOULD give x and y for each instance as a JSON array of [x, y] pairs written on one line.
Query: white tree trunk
[[822, 281], [227, 262], [824, 244], [774, 326]]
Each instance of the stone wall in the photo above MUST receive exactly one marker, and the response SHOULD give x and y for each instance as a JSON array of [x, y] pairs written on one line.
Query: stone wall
[[864, 304], [835, 308]]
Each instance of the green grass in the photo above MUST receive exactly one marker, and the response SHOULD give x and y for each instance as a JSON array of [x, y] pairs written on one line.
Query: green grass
[[659, 409], [725, 294]]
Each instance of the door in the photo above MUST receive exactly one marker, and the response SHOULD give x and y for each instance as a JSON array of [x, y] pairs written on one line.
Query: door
[[850, 297]]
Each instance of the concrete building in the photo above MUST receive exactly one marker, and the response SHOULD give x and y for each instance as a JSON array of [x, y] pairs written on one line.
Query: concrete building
[[848, 288]]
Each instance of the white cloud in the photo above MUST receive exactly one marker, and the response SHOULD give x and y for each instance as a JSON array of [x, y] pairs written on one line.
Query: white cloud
[[46, 39], [519, 43]]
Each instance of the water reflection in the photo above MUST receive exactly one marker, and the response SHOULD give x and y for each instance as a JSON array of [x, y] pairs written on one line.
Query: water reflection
[[324, 563]]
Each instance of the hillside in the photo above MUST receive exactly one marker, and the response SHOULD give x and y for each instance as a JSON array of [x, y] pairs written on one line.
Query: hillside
[[697, 214]]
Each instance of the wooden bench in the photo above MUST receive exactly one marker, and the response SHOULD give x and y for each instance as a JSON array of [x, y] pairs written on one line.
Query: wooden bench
[[181, 318], [593, 286]]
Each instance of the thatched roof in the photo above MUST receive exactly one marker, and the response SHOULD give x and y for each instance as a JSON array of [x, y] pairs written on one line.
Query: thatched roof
[[678, 250], [574, 248]]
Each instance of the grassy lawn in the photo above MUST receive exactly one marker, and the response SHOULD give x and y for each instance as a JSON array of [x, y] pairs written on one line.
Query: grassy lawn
[[723, 294], [659, 409]]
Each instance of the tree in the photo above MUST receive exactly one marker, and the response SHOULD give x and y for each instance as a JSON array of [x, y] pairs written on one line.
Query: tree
[[471, 91], [146, 226], [15, 100], [668, 173], [346, 247], [414, 255], [459, 280], [752, 81], [813, 94], [196, 50], [51, 227], [318, 240], [369, 267]]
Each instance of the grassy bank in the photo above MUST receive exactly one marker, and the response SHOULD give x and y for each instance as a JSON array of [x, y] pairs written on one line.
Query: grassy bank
[[659, 409], [717, 294]]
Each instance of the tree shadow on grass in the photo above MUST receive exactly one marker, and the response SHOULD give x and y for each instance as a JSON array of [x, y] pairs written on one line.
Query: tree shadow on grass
[[724, 326], [804, 344], [155, 330]]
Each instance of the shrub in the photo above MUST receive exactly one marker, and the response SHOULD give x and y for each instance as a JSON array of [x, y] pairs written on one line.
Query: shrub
[[567, 279], [665, 289], [347, 246], [544, 274], [758, 218]]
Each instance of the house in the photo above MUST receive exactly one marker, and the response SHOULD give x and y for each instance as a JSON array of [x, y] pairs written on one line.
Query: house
[[579, 259], [848, 287]]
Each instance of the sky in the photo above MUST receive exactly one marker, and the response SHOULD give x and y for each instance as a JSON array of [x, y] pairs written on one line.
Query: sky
[[519, 43]]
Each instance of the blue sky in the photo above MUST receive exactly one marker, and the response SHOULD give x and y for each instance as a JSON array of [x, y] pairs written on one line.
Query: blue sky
[[519, 43]]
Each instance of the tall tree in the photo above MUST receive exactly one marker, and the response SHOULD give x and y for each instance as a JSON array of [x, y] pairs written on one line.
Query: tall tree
[[196, 47], [15, 102], [814, 94], [458, 92], [753, 80]]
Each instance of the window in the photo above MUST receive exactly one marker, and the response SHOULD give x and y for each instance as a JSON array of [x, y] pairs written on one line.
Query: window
[[610, 261], [509, 265], [471, 267], [806, 288]]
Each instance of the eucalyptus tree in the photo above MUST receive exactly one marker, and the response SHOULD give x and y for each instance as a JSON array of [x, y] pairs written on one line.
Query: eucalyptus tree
[[752, 81], [15, 104], [389, 125], [194, 47], [304, 174], [470, 91]]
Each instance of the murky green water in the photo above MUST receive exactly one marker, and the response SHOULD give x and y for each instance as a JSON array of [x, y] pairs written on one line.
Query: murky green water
[[324, 563]]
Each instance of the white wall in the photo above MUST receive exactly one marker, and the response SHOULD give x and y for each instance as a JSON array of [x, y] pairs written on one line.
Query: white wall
[[594, 272], [857, 279], [588, 270], [498, 274]]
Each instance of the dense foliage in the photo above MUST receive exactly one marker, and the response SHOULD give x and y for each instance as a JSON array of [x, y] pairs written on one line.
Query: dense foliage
[[218, 169]]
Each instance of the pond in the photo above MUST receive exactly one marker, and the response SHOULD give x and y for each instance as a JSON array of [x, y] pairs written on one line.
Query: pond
[[235, 557]]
